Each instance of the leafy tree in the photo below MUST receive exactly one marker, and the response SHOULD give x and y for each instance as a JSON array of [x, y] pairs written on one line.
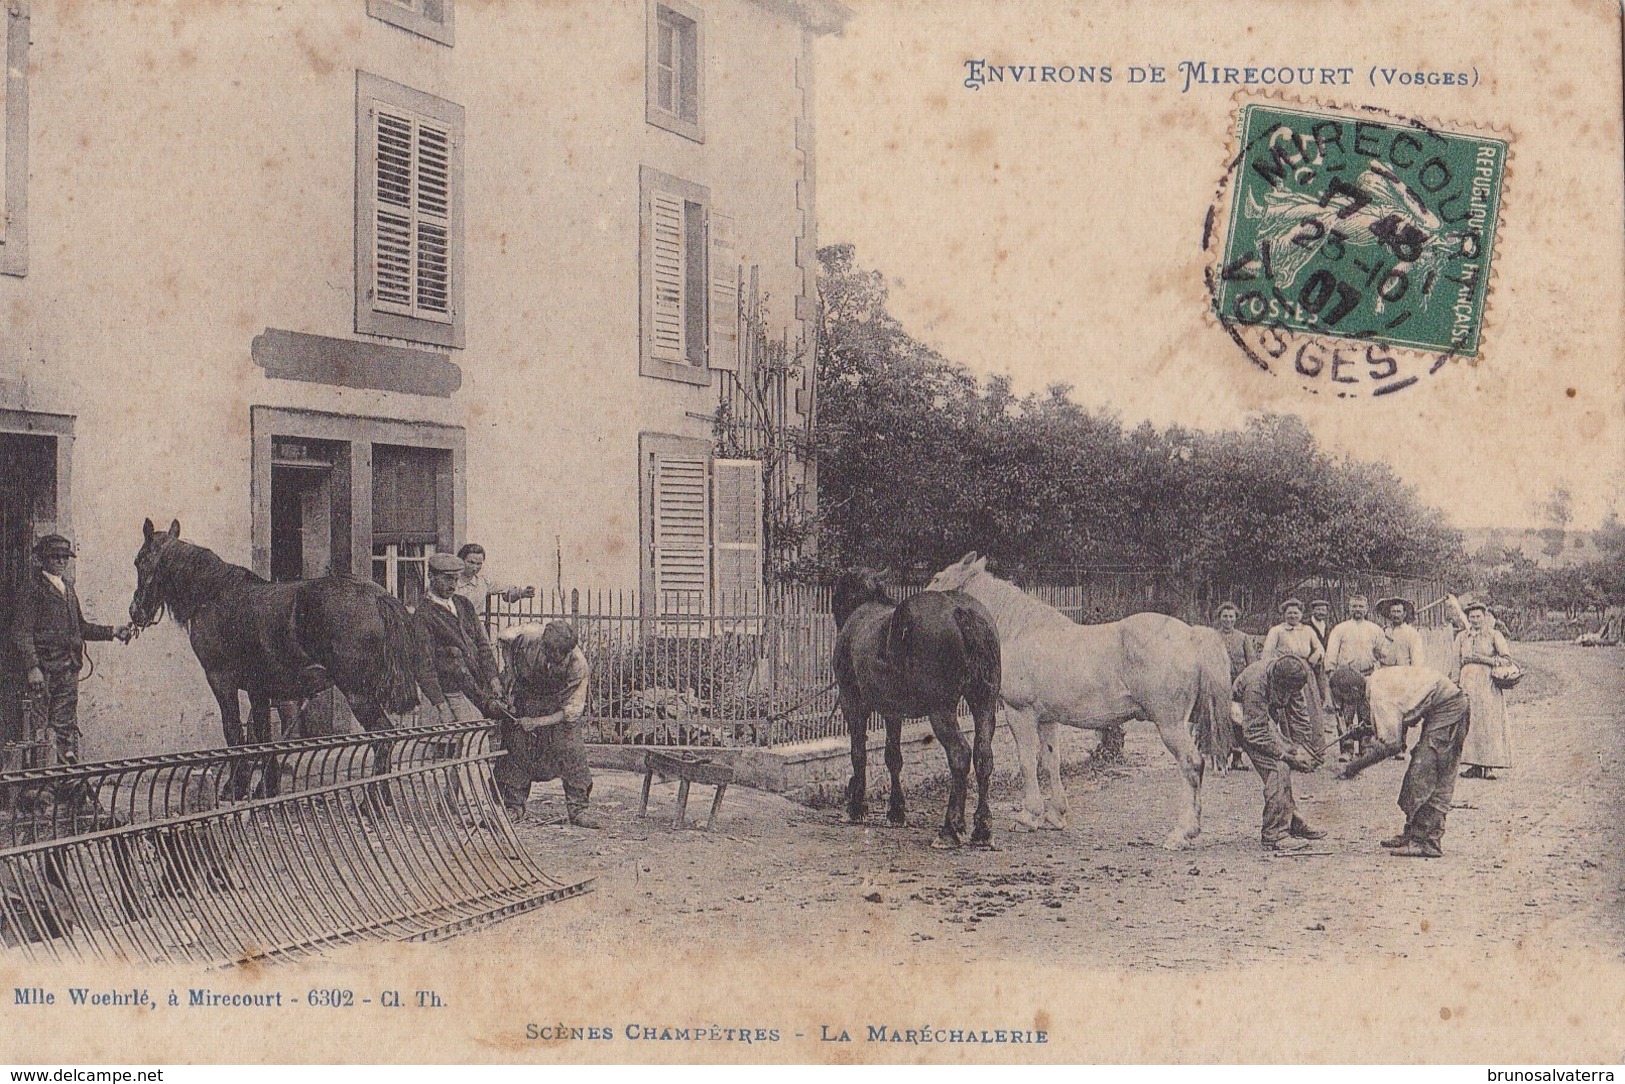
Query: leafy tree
[[919, 462]]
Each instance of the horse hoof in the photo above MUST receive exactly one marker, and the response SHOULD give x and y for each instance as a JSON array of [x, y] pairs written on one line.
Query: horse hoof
[[1027, 822], [944, 843], [1054, 822], [898, 821], [1178, 841]]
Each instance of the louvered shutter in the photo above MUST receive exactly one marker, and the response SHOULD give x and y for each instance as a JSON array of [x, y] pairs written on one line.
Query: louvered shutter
[[433, 221], [668, 266], [724, 352], [737, 533], [682, 514], [412, 215], [392, 211]]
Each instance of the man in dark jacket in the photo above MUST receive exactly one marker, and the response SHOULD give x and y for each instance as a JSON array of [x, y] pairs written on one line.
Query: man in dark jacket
[[1276, 727], [48, 634], [452, 633]]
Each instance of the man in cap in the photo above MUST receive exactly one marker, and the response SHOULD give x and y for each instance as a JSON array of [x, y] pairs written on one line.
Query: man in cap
[[1319, 623], [548, 678], [451, 632], [48, 634], [1276, 726], [1390, 701], [1353, 643], [1401, 644]]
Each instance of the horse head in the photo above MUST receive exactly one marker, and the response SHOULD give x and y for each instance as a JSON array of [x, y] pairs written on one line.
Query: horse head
[[958, 574], [855, 588], [148, 603]]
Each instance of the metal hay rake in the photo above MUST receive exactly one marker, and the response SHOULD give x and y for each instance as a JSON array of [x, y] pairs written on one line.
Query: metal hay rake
[[149, 860]]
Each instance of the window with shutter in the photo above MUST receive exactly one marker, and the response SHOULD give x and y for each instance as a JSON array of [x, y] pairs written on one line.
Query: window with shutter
[[675, 284], [409, 238], [681, 516], [736, 534], [430, 18], [724, 263], [675, 70]]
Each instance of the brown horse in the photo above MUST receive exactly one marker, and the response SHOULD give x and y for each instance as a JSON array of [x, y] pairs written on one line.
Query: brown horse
[[282, 642], [917, 658]]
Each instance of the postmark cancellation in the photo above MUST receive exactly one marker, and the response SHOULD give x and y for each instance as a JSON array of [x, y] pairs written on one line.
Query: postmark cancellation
[[1351, 248]]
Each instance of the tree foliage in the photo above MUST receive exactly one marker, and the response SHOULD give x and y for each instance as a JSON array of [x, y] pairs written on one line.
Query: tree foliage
[[919, 462]]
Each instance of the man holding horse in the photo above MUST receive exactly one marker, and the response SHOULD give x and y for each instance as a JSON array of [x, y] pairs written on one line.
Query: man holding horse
[[1276, 730], [48, 633], [453, 634]]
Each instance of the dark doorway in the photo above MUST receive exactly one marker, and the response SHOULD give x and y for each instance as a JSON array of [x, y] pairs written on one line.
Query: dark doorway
[[309, 527], [27, 510]]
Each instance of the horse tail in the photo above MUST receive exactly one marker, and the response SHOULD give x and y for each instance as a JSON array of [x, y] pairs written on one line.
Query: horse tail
[[394, 681], [982, 652], [1210, 716], [899, 627]]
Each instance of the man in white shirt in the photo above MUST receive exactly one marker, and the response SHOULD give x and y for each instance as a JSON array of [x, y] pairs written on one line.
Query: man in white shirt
[[1390, 701], [1355, 643], [1402, 644]]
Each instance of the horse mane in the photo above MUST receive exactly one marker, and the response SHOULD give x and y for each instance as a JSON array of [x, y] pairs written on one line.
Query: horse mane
[[1013, 609], [190, 575], [857, 587]]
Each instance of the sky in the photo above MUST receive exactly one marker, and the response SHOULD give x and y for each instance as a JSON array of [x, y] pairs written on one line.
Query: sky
[[1052, 232]]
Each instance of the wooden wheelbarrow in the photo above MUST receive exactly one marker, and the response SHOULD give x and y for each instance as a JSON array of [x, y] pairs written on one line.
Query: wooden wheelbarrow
[[687, 769]]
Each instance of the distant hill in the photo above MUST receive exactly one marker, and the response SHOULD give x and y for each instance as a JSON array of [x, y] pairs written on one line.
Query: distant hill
[[1536, 543]]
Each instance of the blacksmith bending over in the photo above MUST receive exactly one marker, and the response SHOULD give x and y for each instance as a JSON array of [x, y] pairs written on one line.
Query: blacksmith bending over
[[1276, 726], [1389, 701], [548, 678], [451, 632]]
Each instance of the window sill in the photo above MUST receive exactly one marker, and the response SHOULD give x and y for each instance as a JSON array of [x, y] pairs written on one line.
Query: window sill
[[672, 370], [688, 129]]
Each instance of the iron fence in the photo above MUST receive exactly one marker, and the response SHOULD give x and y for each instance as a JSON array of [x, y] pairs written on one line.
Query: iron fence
[[689, 669]]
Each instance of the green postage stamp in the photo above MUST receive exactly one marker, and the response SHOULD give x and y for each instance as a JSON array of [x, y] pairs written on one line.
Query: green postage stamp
[[1355, 241]]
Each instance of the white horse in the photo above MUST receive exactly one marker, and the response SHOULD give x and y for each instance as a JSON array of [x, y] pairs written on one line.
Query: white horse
[[1148, 666]]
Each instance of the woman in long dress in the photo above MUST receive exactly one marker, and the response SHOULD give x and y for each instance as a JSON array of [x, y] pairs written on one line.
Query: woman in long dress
[[1479, 648]]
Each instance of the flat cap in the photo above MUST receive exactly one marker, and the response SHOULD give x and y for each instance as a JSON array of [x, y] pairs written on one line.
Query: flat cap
[[445, 562]]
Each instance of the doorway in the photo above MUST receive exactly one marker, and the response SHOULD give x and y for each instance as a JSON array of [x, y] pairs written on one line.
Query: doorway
[[28, 509]]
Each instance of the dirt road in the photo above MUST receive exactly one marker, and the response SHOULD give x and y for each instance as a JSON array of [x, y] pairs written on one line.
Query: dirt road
[[1535, 854]]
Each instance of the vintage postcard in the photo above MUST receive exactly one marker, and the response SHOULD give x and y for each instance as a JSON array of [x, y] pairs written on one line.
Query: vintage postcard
[[833, 531]]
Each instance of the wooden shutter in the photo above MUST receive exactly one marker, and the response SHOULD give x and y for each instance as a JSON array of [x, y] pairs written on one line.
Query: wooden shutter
[[668, 273], [405, 494], [724, 351], [737, 533], [682, 514], [392, 210], [411, 215], [433, 221]]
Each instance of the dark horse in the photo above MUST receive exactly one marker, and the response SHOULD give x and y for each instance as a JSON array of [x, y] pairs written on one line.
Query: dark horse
[[281, 642], [904, 660]]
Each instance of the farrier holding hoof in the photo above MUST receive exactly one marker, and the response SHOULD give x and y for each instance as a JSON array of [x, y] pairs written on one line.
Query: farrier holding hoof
[[1390, 701], [1276, 729], [454, 636], [48, 633], [548, 678]]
